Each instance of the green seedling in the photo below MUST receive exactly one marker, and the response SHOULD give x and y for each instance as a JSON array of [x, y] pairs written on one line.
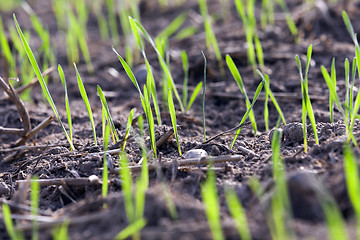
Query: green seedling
[[238, 214], [249, 21], [40, 78], [13, 234], [114, 134], [273, 99], [26, 70], [333, 217], [60, 13], [79, 34], [281, 210], [203, 97], [290, 22], [131, 230], [142, 183], [186, 32], [173, 26], [352, 182], [211, 42], [86, 101], [67, 105], [266, 104], [267, 13], [128, 127], [333, 79], [194, 95], [34, 196], [185, 64], [145, 100], [173, 118], [5, 50], [112, 21], [126, 185], [105, 174], [124, 12], [136, 27], [61, 232], [307, 109], [212, 209], [235, 73], [356, 105], [246, 114]]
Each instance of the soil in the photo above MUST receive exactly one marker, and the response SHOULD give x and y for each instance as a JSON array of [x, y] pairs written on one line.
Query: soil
[[47, 155]]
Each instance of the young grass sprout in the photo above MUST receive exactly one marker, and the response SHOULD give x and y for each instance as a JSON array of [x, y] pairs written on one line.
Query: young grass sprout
[[86, 101], [235, 73], [307, 109], [40, 78]]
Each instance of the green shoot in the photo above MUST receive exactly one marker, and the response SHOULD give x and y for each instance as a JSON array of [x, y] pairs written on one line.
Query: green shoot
[[86, 101], [185, 64], [307, 109], [128, 127], [126, 184], [114, 134], [132, 229], [14, 235], [173, 118], [266, 104], [290, 22], [246, 114], [280, 200], [333, 217], [203, 98], [211, 42], [80, 32], [173, 26], [333, 79], [5, 49], [273, 99], [105, 188], [235, 73], [145, 99], [352, 182], [351, 97], [194, 95], [37, 71], [238, 214], [136, 27], [347, 94], [67, 105], [112, 21], [212, 209], [267, 13], [61, 232], [35, 191], [186, 32]]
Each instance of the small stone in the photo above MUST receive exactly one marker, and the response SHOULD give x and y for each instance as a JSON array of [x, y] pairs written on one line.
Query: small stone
[[293, 133], [195, 153], [215, 151]]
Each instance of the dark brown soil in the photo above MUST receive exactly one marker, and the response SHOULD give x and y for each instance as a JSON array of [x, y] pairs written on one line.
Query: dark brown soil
[[320, 168]]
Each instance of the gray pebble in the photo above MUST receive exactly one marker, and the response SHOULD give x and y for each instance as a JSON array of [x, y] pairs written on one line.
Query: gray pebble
[[195, 153]]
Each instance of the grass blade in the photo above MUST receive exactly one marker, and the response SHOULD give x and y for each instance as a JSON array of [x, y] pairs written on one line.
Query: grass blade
[[9, 223], [256, 95], [235, 73], [104, 190], [86, 101], [212, 209], [67, 105], [173, 118], [194, 95], [108, 115], [128, 126], [132, 229], [203, 99], [272, 97], [37, 71], [238, 214]]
